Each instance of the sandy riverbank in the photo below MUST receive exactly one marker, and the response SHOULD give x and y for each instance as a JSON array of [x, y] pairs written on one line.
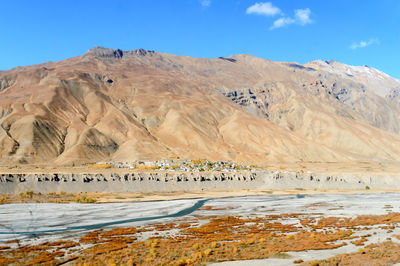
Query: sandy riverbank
[[125, 197], [135, 197]]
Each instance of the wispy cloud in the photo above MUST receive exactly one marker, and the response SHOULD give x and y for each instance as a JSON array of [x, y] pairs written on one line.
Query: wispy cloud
[[266, 9], [363, 44], [301, 17], [282, 22], [205, 3]]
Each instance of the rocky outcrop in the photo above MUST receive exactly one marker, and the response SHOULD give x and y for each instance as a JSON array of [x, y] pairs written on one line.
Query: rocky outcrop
[[256, 100], [101, 52], [7, 81], [394, 94]]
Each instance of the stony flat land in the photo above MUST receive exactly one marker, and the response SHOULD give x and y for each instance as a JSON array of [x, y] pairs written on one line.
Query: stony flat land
[[309, 230]]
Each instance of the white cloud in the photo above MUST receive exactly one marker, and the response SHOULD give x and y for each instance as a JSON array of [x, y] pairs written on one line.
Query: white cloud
[[301, 17], [282, 22], [267, 9], [205, 3], [363, 44]]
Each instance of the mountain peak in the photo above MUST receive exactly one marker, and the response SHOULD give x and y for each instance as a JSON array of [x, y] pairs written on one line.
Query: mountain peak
[[99, 51], [102, 52]]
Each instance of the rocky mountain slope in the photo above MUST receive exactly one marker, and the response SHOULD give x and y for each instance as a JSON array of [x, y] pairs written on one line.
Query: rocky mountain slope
[[131, 105]]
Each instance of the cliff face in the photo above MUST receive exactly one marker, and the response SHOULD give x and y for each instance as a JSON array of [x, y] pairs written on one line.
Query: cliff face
[[131, 105]]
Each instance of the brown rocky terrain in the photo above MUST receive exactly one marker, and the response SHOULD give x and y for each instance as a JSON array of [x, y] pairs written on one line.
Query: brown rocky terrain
[[132, 105]]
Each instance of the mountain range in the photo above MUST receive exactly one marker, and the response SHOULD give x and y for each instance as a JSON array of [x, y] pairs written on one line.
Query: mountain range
[[110, 104]]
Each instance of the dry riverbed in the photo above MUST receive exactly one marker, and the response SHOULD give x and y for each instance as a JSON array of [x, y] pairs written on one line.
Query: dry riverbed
[[254, 230]]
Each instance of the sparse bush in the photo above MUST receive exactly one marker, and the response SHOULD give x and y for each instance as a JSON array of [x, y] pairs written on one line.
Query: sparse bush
[[154, 243], [208, 252], [111, 262], [153, 252], [281, 255], [27, 194], [84, 199], [181, 262], [4, 199], [101, 166]]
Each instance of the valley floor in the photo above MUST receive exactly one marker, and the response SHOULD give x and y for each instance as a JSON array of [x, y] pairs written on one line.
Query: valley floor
[[126, 197], [293, 218], [251, 230]]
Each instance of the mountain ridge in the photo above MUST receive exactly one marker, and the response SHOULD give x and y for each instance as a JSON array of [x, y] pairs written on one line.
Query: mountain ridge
[[110, 104]]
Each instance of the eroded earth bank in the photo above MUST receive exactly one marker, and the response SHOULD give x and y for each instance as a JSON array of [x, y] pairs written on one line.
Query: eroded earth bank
[[153, 182]]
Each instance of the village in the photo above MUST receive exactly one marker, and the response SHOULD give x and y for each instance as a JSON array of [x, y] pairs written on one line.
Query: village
[[184, 165]]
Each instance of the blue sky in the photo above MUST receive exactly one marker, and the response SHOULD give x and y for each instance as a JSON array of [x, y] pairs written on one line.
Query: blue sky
[[355, 32]]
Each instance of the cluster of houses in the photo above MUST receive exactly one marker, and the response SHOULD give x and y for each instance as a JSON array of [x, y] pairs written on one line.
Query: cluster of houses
[[181, 165]]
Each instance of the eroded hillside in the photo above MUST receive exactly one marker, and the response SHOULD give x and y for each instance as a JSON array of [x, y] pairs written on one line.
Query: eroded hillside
[[131, 105]]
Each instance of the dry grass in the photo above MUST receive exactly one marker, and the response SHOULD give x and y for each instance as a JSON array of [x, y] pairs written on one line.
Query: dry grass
[[30, 196]]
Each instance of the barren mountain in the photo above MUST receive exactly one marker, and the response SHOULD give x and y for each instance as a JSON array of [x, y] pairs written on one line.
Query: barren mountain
[[131, 105]]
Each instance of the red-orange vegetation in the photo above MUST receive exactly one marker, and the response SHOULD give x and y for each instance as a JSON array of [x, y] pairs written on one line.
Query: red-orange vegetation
[[212, 208], [106, 247], [361, 241], [362, 220], [216, 239], [164, 227], [119, 232], [89, 238], [44, 257], [16, 241], [7, 260], [386, 253]]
